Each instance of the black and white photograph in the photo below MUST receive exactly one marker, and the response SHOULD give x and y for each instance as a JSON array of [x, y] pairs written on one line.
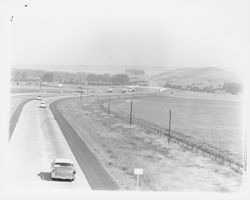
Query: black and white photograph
[[121, 99]]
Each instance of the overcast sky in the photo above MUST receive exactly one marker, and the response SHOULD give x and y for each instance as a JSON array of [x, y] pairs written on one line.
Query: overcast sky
[[101, 33]]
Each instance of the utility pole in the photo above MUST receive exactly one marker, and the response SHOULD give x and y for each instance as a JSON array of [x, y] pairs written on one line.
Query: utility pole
[[109, 104], [131, 107], [40, 86], [169, 125], [81, 93]]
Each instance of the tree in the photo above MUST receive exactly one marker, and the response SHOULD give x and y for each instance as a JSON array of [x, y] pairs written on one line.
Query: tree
[[120, 79], [49, 77], [80, 77], [195, 88], [92, 78], [107, 79], [17, 77], [179, 87], [24, 76], [233, 88], [167, 85]]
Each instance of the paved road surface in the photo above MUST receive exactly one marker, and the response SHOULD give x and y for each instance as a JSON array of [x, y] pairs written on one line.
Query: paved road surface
[[97, 176], [18, 98], [15, 113], [35, 142], [17, 101]]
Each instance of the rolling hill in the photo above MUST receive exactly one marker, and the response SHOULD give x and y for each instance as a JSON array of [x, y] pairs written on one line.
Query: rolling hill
[[200, 77]]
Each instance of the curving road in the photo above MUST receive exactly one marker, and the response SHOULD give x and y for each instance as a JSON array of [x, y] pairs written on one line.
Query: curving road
[[35, 142], [97, 176], [15, 112], [17, 101]]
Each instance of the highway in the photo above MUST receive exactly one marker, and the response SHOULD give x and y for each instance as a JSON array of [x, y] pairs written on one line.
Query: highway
[[18, 98], [97, 176], [16, 109], [38, 138], [17, 101], [36, 142]]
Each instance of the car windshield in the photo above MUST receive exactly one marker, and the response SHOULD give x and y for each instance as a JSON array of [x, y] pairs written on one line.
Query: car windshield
[[64, 164]]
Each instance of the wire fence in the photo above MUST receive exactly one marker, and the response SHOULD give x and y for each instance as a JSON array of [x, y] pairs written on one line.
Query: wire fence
[[223, 157]]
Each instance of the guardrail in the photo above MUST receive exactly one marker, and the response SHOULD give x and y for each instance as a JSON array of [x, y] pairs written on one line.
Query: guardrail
[[223, 157]]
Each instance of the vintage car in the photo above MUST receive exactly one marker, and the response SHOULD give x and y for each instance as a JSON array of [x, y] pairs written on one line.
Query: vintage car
[[62, 169], [39, 97], [43, 105]]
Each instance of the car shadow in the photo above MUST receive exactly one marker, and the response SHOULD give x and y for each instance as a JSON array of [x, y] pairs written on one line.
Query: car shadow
[[46, 176]]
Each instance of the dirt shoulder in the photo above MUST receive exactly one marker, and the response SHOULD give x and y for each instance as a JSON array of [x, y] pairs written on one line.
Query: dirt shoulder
[[121, 148]]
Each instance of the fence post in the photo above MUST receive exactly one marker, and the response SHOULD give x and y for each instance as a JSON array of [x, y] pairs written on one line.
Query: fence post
[[169, 125], [245, 152], [131, 107], [109, 105]]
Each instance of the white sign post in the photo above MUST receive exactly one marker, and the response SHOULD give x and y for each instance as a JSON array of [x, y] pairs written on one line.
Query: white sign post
[[138, 172]]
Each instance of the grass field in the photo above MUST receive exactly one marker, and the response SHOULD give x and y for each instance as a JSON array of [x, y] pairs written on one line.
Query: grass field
[[121, 148], [216, 122]]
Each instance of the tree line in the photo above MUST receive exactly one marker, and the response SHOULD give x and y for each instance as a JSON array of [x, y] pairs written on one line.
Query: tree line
[[91, 78], [107, 79], [229, 87], [67, 77]]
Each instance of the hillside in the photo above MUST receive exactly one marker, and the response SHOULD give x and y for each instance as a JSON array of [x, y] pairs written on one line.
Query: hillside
[[200, 77]]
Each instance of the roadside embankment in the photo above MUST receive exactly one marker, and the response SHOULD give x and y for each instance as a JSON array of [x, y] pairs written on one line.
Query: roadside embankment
[[121, 148]]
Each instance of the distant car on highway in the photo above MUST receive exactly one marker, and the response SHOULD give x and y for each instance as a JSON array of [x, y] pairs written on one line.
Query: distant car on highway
[[62, 169], [43, 105], [39, 98], [123, 91], [110, 90]]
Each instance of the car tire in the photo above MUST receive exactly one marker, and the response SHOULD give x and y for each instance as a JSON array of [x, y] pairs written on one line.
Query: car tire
[[52, 178]]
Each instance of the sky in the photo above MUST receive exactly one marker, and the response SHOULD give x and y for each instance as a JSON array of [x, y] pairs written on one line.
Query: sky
[[111, 35]]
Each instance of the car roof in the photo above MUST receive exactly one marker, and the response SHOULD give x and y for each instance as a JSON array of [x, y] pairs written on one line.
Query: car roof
[[63, 160]]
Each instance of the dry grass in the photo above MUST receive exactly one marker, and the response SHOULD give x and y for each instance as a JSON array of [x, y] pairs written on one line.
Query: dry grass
[[216, 122], [121, 148]]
